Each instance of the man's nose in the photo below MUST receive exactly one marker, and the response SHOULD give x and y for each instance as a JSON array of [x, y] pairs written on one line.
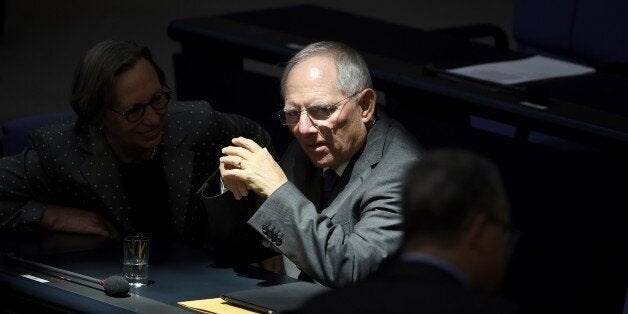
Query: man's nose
[[305, 124]]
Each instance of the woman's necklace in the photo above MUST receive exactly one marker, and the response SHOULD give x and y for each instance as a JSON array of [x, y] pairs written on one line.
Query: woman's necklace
[[154, 153]]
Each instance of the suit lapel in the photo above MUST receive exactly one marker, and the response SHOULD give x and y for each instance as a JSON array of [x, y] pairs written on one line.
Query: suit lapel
[[179, 181], [309, 179], [178, 168], [100, 170], [360, 167]]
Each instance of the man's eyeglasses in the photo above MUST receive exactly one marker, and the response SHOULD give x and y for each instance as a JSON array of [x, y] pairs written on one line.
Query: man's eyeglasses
[[512, 235], [159, 102], [316, 112]]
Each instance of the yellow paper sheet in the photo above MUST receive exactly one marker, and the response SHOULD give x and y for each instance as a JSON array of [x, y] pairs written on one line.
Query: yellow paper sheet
[[215, 305]]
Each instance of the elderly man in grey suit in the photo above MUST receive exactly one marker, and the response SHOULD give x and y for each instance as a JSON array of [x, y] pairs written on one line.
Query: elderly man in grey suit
[[335, 233]]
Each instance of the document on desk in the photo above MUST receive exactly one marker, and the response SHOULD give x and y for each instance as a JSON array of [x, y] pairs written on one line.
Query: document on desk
[[272, 300], [215, 306], [523, 70]]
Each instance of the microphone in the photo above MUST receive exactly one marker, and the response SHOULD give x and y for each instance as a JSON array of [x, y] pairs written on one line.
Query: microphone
[[115, 286]]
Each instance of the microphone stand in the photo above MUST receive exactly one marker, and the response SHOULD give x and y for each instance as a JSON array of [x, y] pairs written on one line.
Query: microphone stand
[[120, 285]]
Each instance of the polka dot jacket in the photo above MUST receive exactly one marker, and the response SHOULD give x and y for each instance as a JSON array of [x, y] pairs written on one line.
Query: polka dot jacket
[[78, 169]]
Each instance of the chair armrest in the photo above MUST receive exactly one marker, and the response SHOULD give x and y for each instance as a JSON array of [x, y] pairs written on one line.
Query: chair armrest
[[474, 31]]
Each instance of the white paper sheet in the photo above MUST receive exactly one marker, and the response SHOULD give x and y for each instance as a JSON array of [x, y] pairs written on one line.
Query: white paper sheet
[[523, 70]]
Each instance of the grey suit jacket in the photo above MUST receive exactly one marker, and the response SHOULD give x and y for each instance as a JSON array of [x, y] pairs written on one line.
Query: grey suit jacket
[[348, 239], [75, 168]]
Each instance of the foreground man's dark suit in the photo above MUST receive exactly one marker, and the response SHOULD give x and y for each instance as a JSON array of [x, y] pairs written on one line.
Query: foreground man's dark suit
[[408, 287]]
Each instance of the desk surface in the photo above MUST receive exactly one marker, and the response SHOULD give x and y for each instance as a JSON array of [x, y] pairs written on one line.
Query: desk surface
[[178, 273], [592, 104]]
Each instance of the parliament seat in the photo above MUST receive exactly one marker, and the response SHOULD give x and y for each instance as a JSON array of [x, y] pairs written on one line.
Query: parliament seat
[[15, 132], [591, 32]]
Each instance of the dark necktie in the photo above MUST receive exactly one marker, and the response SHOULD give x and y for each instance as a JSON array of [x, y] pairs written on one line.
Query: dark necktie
[[330, 179], [304, 277]]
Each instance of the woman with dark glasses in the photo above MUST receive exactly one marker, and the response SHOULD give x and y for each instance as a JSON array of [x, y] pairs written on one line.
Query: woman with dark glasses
[[129, 162]]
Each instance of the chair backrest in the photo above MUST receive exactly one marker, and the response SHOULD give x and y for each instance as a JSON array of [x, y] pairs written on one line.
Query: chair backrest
[[593, 32], [15, 132]]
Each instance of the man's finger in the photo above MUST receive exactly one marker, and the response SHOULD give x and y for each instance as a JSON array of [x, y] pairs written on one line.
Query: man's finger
[[250, 145], [242, 189], [236, 194], [233, 161], [232, 186], [236, 151], [235, 184], [232, 182]]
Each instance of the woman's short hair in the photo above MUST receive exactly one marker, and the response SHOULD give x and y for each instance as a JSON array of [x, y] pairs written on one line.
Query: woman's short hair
[[93, 90]]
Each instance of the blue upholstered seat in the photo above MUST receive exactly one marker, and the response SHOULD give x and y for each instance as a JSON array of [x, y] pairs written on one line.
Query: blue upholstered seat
[[15, 132], [593, 32]]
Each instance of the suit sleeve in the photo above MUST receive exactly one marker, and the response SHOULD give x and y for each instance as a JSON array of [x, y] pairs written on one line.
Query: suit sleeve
[[335, 253], [19, 205]]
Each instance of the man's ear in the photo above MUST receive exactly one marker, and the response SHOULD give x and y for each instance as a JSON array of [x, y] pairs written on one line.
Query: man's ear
[[476, 237], [367, 101]]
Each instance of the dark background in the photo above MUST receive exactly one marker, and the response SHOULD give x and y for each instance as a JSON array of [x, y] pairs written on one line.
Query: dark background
[[44, 40]]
